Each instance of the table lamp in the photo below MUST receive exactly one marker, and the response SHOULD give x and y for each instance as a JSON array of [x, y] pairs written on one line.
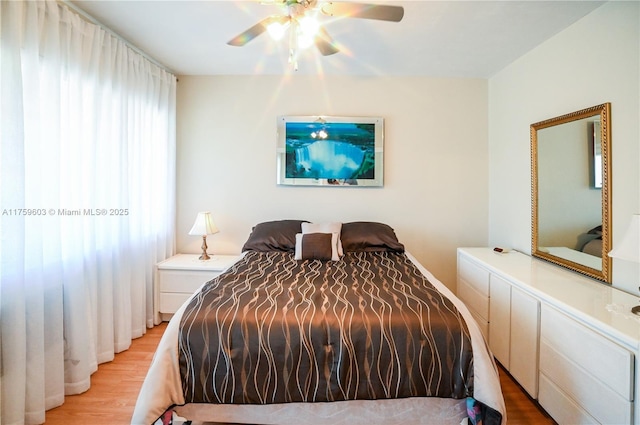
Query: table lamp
[[629, 248], [203, 226]]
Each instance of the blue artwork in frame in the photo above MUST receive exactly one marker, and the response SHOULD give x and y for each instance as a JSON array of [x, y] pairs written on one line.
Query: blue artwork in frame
[[330, 151]]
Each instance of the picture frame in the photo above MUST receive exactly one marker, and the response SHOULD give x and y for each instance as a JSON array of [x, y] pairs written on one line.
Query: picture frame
[[330, 151]]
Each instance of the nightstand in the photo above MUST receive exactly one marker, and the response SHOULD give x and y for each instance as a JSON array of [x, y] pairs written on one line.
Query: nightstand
[[181, 275]]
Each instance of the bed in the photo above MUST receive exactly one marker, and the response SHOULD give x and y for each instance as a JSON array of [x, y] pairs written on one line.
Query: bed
[[591, 242], [322, 323]]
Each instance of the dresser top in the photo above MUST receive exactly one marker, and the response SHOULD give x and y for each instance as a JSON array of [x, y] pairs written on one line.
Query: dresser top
[[600, 305]]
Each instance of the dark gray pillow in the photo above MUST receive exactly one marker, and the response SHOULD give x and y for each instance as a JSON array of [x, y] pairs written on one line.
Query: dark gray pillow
[[369, 236], [274, 236]]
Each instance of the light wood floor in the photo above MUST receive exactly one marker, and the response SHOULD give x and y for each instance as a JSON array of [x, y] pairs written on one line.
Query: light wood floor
[[521, 409], [115, 386]]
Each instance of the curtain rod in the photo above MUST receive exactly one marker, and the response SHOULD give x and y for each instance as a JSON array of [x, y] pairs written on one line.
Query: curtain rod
[[84, 15]]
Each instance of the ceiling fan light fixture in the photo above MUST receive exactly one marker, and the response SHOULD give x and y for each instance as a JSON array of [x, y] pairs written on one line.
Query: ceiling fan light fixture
[[308, 27], [277, 30], [304, 28]]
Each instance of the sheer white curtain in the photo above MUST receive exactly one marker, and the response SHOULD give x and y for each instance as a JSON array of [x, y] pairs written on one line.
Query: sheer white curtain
[[87, 201]]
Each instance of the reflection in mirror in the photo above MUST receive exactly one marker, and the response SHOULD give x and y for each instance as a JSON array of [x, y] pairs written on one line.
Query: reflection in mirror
[[570, 158], [595, 154]]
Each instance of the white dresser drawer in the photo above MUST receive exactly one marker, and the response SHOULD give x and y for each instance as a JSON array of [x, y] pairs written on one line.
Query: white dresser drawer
[[500, 319], [477, 302], [603, 403], [482, 323], [474, 275], [562, 408], [184, 280], [602, 358]]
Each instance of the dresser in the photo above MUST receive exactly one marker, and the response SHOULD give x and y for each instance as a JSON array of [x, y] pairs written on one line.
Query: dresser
[[178, 277], [570, 341]]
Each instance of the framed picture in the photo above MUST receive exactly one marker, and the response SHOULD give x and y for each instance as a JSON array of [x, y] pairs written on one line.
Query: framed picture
[[330, 151]]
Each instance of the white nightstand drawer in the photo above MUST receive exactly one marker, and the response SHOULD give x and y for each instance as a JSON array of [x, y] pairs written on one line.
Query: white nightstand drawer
[[170, 303], [180, 276], [184, 280]]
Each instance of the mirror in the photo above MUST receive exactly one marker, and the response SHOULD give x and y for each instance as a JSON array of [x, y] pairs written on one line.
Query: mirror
[[571, 191]]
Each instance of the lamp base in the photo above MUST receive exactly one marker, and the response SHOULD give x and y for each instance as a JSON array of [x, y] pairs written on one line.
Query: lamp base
[[204, 255]]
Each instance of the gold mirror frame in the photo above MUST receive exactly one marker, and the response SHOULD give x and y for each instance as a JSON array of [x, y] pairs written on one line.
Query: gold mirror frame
[[604, 113]]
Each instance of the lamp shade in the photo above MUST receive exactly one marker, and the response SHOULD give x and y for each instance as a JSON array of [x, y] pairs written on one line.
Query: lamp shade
[[629, 247], [203, 225]]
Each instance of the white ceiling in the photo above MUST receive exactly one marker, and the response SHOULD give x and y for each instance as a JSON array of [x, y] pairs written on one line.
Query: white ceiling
[[468, 39]]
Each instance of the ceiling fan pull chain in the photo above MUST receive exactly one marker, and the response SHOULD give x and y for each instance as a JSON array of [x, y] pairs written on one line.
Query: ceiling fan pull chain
[[293, 44]]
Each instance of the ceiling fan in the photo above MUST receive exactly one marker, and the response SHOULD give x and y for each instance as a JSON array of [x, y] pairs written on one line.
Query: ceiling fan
[[304, 29]]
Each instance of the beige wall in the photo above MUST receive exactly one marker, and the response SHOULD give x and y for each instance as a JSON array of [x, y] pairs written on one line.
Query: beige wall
[[435, 192], [594, 61]]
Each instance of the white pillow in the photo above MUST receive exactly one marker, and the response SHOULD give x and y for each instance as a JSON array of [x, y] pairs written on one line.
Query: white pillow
[[299, 255], [325, 228]]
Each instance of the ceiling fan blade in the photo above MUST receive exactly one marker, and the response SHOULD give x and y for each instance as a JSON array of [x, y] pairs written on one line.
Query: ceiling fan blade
[[251, 33], [364, 11], [324, 43]]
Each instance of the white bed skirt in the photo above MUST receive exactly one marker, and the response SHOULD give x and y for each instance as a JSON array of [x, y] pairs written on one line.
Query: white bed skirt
[[431, 411]]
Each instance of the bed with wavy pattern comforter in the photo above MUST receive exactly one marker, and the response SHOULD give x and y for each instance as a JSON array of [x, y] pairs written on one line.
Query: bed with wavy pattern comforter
[[279, 340]]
